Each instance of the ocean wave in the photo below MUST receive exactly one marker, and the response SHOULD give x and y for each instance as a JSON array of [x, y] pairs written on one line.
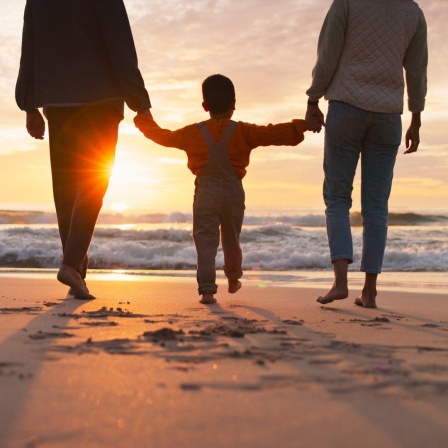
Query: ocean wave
[[405, 219], [300, 220], [273, 247]]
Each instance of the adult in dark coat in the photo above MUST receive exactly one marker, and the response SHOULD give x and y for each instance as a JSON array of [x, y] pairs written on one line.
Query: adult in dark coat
[[79, 64]]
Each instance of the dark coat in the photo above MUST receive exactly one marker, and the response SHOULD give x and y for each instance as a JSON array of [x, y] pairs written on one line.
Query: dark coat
[[78, 52]]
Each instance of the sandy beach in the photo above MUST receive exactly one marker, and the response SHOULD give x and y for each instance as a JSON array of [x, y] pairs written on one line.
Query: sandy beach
[[145, 365]]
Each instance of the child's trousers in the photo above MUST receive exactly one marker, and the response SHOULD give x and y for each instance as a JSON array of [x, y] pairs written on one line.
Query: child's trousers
[[217, 203]]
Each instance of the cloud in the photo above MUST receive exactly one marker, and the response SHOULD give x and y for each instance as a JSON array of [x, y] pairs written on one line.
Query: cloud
[[268, 48]]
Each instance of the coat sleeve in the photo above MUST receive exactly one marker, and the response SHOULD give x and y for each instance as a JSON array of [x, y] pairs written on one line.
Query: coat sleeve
[[116, 31], [25, 81]]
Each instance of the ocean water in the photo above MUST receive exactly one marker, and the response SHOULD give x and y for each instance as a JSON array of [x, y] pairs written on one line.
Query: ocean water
[[270, 243]]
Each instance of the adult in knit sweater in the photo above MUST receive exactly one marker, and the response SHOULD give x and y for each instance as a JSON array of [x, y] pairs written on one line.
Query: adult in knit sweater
[[363, 47]]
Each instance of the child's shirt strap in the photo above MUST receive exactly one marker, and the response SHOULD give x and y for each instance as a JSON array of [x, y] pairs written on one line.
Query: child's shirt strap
[[218, 164]]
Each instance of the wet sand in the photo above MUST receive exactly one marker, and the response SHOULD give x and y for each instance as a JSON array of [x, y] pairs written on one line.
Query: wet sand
[[145, 365]]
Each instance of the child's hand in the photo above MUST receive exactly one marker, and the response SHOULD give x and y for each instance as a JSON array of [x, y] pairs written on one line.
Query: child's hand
[[144, 122]]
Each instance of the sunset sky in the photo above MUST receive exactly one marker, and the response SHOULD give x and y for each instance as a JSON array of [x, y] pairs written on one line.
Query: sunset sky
[[268, 49]]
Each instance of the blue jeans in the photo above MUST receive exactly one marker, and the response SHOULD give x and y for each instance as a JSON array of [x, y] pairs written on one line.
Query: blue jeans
[[349, 133]]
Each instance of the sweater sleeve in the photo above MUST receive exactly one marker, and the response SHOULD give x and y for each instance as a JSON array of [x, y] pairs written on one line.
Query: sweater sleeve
[[117, 35], [329, 48], [281, 134], [25, 81], [415, 64], [163, 137]]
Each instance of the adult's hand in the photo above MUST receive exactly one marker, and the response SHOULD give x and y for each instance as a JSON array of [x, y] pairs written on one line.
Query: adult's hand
[[35, 124], [314, 118], [413, 134]]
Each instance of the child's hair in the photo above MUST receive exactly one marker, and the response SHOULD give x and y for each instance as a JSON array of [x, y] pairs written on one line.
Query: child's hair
[[218, 93]]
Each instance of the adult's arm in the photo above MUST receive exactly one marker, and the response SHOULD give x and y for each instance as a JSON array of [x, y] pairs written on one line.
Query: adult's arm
[[415, 63], [329, 49], [25, 81], [35, 124], [116, 31]]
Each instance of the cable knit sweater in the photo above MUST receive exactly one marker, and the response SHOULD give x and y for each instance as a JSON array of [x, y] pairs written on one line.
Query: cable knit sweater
[[364, 46]]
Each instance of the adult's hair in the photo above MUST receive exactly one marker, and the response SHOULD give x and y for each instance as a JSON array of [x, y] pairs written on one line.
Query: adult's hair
[[218, 93]]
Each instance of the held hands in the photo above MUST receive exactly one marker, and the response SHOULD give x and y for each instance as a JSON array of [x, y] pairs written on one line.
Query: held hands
[[144, 120], [146, 113], [35, 124], [314, 118]]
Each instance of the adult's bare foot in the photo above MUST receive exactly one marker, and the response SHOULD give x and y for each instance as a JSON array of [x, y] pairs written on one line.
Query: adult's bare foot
[[71, 277], [234, 286], [366, 301], [337, 292], [207, 299]]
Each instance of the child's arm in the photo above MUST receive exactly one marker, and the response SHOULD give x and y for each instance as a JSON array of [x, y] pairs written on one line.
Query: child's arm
[[282, 134], [164, 137]]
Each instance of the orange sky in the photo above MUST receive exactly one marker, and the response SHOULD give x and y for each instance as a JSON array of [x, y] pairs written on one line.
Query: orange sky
[[268, 49]]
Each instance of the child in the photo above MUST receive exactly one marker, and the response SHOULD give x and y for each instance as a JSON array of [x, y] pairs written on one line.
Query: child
[[218, 153]]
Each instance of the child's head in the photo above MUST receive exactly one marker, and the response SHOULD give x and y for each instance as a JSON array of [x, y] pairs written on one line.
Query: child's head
[[219, 95]]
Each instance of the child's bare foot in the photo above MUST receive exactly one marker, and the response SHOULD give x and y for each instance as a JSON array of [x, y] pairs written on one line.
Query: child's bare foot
[[366, 300], [337, 292], [234, 286], [207, 299], [71, 277], [71, 293]]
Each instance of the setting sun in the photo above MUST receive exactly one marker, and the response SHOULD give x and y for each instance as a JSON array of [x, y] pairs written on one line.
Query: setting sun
[[128, 173], [119, 207]]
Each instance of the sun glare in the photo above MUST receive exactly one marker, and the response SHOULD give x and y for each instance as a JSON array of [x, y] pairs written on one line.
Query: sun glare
[[119, 207], [124, 173]]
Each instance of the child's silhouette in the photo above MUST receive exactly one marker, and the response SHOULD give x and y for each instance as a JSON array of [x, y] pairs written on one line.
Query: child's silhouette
[[218, 153]]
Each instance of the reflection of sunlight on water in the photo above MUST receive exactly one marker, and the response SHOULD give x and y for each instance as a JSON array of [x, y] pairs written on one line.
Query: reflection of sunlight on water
[[257, 280], [431, 282], [124, 226], [118, 274]]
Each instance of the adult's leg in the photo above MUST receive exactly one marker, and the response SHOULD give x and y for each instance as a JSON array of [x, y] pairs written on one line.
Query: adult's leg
[[339, 289], [64, 170], [82, 150], [379, 151], [344, 133], [97, 128], [63, 158], [231, 225]]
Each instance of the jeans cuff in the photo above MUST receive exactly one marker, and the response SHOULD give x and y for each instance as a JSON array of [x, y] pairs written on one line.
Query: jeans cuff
[[370, 271], [342, 257], [233, 276], [207, 288]]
